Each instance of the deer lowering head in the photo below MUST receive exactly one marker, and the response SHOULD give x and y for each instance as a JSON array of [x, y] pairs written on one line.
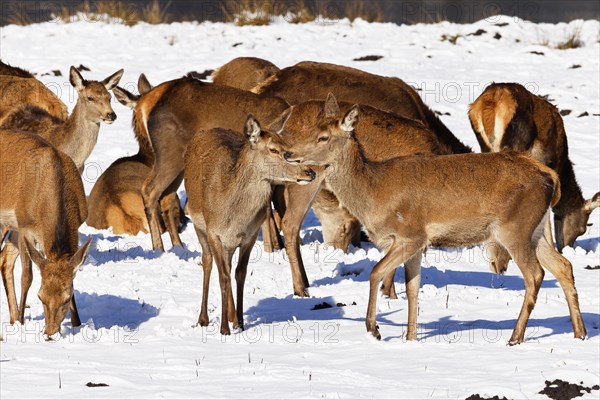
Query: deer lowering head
[[54, 294], [572, 222]]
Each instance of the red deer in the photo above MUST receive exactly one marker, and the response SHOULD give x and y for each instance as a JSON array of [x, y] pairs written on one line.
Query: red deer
[[42, 200], [225, 172], [382, 136], [179, 109], [19, 87], [408, 203], [116, 198], [77, 135], [508, 117], [244, 72]]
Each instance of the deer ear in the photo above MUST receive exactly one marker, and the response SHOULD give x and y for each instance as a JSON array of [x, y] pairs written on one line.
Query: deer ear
[[350, 120], [35, 255], [332, 109], [252, 129], [79, 257], [278, 125], [126, 98], [593, 203], [76, 79], [113, 80], [144, 86]]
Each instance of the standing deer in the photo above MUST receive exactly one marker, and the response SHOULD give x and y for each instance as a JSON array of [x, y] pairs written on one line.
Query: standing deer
[[179, 109], [244, 72], [19, 87], [226, 172], [312, 80], [116, 198], [42, 199], [408, 203], [382, 136], [77, 135], [508, 117]]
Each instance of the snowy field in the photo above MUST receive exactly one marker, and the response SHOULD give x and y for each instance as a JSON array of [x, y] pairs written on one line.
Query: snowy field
[[139, 308]]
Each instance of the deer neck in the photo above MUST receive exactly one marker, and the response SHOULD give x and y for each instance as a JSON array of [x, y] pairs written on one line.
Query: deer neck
[[79, 135], [571, 197], [350, 178]]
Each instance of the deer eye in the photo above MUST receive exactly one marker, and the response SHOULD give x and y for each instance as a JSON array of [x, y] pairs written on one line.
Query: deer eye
[[274, 151], [90, 98], [323, 139]]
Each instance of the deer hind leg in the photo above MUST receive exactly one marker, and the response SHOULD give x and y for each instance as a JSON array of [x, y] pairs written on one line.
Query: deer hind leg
[[562, 269], [271, 237], [8, 257], [523, 252], [412, 277], [388, 288], [172, 220], [398, 253], [207, 261], [240, 279], [162, 176]]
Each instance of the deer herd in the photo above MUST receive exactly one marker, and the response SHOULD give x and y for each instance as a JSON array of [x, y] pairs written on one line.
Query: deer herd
[[257, 148]]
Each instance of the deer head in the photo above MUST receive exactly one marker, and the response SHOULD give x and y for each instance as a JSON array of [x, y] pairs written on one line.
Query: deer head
[[574, 223], [94, 96], [318, 143], [268, 149], [56, 290]]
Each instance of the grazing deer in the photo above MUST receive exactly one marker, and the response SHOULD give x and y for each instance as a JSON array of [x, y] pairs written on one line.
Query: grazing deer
[[19, 87], [42, 199], [408, 203], [226, 172], [508, 117], [382, 136], [173, 114], [244, 72], [116, 198], [77, 135]]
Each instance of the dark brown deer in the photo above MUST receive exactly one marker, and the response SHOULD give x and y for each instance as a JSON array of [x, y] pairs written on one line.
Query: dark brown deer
[[179, 109], [408, 203], [42, 200], [228, 180], [19, 87], [313, 80], [508, 117], [244, 72], [116, 198]]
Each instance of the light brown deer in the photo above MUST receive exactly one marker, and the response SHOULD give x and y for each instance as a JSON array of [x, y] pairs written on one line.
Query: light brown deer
[[408, 203], [508, 117], [244, 72], [77, 135], [116, 199], [228, 181], [42, 200], [19, 87], [173, 114], [382, 136]]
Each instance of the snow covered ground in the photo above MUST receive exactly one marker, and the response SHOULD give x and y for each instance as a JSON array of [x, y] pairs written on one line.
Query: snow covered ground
[[140, 308]]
